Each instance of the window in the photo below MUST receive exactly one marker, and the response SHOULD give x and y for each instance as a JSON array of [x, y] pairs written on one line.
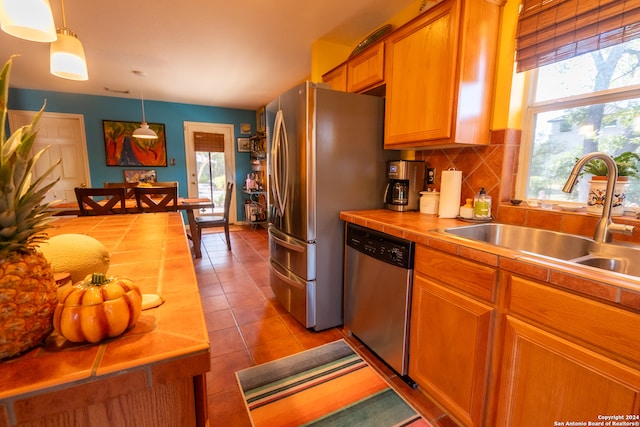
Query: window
[[583, 104]]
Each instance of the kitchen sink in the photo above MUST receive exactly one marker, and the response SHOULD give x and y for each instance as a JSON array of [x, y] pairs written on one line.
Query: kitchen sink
[[616, 257], [542, 242], [610, 264]]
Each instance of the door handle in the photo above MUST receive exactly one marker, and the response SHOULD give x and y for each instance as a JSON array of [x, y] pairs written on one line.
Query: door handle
[[283, 241], [285, 276]]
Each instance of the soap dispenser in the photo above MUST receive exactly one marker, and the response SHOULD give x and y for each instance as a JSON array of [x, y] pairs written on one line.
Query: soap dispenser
[[482, 205]]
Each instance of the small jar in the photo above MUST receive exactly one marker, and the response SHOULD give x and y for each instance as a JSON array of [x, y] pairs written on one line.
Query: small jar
[[429, 201]]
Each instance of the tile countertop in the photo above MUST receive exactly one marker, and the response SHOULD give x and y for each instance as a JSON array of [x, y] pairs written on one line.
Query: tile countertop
[[618, 289], [166, 342]]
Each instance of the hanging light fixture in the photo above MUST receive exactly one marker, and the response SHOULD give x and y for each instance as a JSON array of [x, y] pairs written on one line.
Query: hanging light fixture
[[143, 132], [28, 19], [67, 55]]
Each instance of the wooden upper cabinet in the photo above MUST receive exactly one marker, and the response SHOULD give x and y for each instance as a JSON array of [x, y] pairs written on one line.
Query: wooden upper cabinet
[[366, 70], [361, 73], [439, 73], [337, 78]]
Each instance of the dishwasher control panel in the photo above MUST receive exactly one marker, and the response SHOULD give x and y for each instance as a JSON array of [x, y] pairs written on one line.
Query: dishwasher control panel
[[381, 246]]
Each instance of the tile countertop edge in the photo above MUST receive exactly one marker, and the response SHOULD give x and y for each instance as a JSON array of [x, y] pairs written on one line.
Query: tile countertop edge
[[188, 354], [614, 288]]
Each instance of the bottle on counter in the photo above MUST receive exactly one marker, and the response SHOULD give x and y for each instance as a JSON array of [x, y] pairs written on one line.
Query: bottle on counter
[[482, 205]]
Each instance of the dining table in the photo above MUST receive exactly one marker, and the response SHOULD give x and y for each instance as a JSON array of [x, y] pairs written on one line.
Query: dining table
[[187, 204]]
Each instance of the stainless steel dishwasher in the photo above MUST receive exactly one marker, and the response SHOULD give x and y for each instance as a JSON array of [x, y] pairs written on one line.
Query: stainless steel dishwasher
[[377, 287]]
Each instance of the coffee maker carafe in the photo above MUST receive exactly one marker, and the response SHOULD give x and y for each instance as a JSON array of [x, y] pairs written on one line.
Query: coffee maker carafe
[[405, 182]]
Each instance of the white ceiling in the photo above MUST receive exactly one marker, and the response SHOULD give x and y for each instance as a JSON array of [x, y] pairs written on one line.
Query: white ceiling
[[225, 53]]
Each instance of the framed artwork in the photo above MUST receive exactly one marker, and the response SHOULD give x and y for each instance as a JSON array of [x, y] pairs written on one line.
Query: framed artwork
[[245, 128], [244, 144], [140, 175], [122, 149]]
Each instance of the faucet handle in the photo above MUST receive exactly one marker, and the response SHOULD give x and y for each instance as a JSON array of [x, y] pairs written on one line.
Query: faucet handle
[[625, 229]]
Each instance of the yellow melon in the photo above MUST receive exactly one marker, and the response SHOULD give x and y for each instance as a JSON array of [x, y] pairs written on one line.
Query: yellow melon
[[76, 254]]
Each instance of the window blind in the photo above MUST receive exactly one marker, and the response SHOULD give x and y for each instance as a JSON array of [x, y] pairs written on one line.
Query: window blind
[[554, 30], [205, 141]]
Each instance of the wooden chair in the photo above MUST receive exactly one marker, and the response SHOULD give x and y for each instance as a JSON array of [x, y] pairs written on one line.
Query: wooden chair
[[128, 186], [218, 221], [157, 199], [111, 201]]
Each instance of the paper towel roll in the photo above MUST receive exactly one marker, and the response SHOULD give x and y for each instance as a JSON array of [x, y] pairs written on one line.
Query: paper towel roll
[[450, 190]]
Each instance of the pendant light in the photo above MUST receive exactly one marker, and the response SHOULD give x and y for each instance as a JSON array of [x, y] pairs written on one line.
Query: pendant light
[[143, 132], [67, 55], [28, 19]]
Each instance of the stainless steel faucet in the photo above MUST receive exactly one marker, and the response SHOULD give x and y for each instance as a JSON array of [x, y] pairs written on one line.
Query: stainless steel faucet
[[605, 226]]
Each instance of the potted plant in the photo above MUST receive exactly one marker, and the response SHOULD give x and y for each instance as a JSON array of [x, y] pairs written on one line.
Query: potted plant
[[627, 166], [627, 163]]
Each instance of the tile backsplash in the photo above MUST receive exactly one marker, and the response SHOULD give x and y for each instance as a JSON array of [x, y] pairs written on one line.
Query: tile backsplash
[[492, 166]]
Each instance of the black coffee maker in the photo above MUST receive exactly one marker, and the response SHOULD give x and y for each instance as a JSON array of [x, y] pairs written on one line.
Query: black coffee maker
[[405, 181]]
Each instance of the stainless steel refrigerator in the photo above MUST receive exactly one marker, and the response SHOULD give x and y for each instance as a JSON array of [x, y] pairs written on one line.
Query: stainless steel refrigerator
[[325, 154]]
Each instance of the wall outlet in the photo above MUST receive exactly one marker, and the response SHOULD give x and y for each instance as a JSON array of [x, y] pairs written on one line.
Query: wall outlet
[[431, 175]]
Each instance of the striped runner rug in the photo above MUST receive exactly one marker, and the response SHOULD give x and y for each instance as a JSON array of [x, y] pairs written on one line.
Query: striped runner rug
[[330, 385]]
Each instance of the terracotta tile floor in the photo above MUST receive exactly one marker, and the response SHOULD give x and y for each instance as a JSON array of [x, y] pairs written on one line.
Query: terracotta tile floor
[[247, 326]]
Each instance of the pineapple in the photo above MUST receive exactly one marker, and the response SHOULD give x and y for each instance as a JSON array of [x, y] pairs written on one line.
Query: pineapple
[[27, 288]]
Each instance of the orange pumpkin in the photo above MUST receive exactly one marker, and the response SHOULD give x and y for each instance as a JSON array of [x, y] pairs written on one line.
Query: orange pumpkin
[[97, 308]]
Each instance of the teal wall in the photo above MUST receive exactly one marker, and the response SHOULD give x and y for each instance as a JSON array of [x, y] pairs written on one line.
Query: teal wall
[[172, 115]]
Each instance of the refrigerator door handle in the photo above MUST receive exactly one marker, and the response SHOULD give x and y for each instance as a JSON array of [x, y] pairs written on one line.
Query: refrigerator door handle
[[280, 153], [283, 241], [286, 277], [274, 162]]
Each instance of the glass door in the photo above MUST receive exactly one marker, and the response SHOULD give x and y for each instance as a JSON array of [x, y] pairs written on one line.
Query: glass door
[[210, 160], [211, 179]]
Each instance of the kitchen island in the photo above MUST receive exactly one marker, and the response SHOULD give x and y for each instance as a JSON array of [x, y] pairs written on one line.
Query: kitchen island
[[153, 374], [501, 337]]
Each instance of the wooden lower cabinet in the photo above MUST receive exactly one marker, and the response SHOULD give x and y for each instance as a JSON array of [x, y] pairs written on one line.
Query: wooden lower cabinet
[[496, 349], [565, 358], [450, 349], [547, 380]]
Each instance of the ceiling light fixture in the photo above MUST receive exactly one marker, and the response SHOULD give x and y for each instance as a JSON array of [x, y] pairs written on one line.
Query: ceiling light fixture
[[67, 55], [28, 19], [143, 132]]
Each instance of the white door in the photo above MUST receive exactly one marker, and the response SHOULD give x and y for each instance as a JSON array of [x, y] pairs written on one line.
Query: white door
[[66, 137], [229, 158]]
